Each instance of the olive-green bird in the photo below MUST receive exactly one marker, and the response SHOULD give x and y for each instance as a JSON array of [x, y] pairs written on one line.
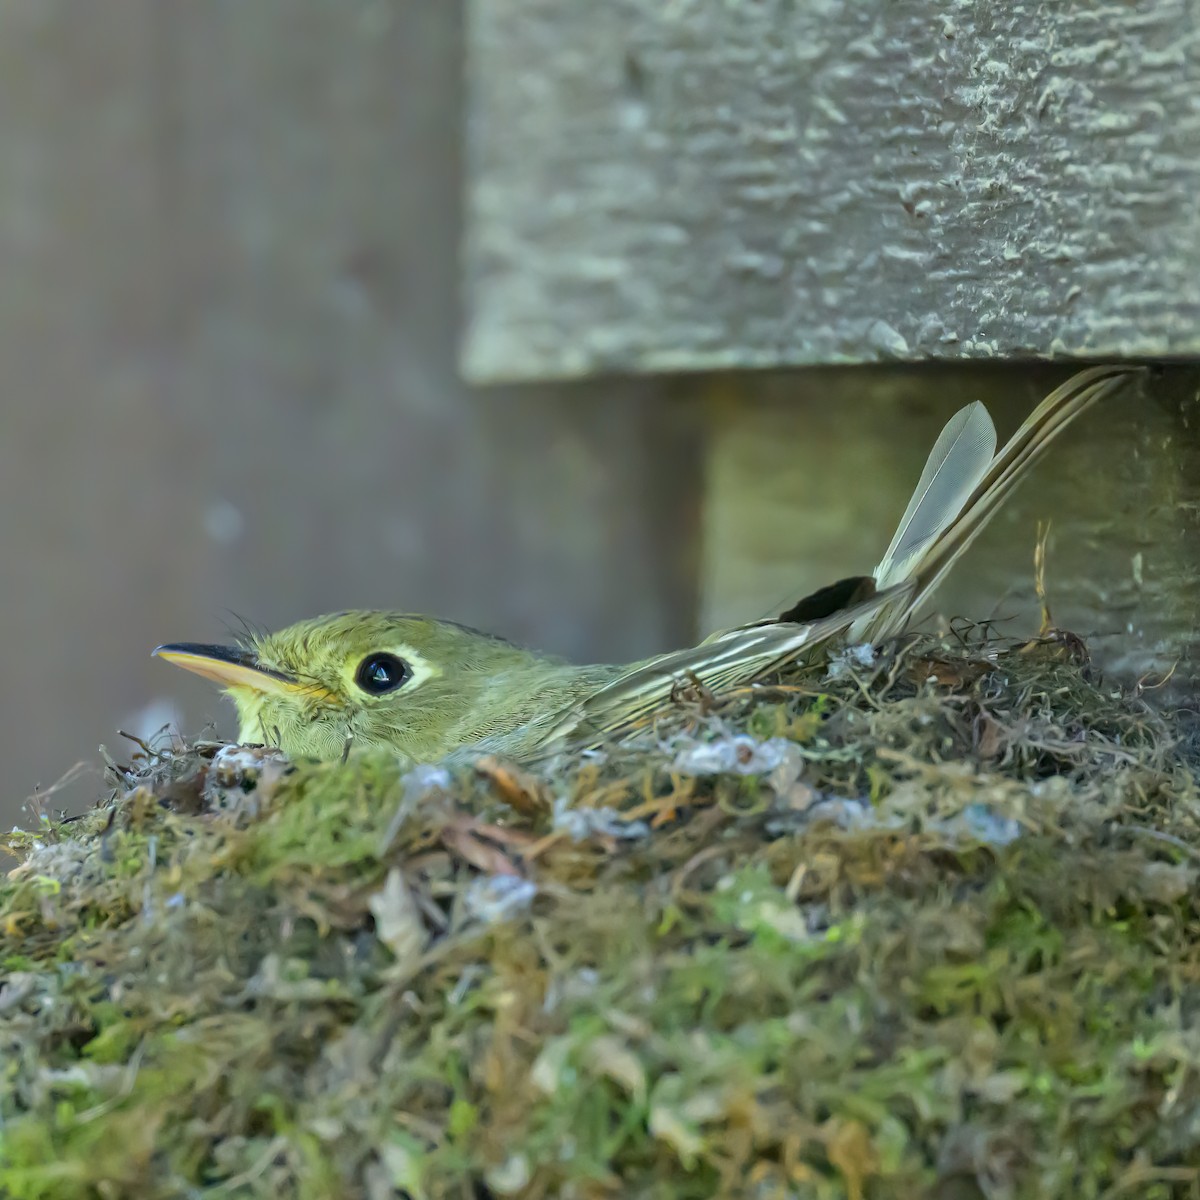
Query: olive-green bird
[[426, 688]]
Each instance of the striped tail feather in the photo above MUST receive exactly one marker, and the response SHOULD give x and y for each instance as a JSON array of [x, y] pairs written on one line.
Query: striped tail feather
[[996, 484], [962, 487]]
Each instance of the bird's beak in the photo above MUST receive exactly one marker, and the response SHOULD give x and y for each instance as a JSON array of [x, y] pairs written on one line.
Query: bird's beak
[[231, 667]]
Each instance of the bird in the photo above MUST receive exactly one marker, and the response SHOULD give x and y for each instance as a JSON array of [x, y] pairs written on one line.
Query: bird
[[429, 689]]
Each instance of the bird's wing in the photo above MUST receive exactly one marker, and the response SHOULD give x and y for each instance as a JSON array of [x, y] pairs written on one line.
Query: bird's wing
[[725, 660]]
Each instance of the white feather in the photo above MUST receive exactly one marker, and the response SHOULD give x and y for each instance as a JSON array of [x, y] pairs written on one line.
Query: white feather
[[958, 461]]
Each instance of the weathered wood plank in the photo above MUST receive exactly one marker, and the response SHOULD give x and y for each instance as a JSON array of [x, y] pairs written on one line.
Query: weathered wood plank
[[715, 183]]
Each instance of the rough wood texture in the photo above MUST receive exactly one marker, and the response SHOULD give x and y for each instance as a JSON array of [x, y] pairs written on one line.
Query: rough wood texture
[[683, 184], [228, 317], [808, 473]]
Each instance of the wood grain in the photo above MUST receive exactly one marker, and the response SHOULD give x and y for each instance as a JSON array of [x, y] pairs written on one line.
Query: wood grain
[[696, 184]]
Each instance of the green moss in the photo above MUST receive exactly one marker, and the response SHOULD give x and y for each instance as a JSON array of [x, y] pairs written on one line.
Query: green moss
[[939, 938]]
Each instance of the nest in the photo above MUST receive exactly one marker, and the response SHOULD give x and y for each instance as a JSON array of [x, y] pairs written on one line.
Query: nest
[[916, 922]]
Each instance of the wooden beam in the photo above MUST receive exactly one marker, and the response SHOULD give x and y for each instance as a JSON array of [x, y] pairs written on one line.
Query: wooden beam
[[684, 184]]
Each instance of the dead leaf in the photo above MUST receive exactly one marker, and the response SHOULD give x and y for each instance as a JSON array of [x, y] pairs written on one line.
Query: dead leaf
[[463, 838], [522, 791], [398, 923]]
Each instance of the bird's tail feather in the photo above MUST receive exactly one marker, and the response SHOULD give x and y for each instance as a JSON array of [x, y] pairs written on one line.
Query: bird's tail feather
[[961, 488], [995, 484], [958, 461]]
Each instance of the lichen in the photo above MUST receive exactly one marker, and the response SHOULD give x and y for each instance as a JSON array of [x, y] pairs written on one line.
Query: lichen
[[922, 924]]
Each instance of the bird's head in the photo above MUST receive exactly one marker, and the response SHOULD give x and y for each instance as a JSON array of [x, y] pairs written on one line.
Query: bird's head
[[362, 679]]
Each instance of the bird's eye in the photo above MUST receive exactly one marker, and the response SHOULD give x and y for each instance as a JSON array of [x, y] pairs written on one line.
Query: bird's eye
[[379, 673]]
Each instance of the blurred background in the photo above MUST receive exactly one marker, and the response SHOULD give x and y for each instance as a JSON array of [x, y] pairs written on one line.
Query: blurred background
[[228, 321], [229, 317]]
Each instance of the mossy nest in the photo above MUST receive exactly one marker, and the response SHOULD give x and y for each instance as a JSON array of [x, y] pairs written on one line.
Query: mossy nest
[[920, 922]]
